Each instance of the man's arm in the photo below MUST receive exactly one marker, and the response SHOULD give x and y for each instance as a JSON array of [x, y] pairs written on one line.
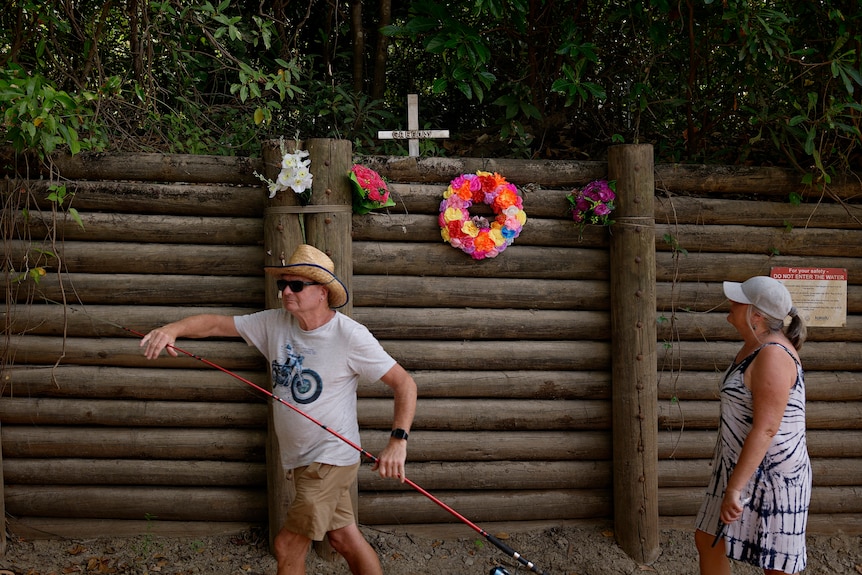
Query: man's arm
[[194, 326], [390, 462]]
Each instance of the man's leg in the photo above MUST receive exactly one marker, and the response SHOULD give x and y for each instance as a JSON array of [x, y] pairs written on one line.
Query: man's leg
[[290, 551], [351, 544]]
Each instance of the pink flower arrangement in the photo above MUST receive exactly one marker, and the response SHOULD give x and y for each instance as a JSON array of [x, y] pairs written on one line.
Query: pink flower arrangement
[[475, 235], [369, 190], [593, 204]]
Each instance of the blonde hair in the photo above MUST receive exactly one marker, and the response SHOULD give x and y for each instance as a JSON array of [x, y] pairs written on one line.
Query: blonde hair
[[796, 331]]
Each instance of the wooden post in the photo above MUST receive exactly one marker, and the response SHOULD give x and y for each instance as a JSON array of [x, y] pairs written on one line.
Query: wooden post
[[633, 337], [326, 222], [2, 508]]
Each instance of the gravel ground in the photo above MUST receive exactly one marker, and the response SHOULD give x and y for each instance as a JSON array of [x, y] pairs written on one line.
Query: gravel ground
[[559, 551]]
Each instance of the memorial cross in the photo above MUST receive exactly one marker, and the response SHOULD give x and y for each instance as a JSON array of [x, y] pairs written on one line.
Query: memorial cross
[[412, 133]]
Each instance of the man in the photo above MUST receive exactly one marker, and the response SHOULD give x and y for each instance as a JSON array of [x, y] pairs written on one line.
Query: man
[[318, 356]]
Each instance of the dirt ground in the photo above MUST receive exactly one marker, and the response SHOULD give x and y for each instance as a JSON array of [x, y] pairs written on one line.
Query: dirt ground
[[582, 550]]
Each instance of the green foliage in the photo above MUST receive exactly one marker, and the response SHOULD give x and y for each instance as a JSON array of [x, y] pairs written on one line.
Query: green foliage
[[736, 81], [38, 117]]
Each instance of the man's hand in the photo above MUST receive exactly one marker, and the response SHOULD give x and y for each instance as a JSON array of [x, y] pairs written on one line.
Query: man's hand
[[390, 461], [157, 340]]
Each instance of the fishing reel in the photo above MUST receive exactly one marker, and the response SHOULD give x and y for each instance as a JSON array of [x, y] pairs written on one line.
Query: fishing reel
[[498, 571]]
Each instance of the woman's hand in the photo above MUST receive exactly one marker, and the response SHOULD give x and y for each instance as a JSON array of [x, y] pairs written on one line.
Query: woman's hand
[[731, 506]]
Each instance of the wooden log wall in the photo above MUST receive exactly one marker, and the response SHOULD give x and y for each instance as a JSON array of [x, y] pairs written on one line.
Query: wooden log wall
[[512, 354]]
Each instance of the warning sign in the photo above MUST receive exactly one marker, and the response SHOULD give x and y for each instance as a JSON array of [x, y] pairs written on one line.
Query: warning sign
[[819, 294]]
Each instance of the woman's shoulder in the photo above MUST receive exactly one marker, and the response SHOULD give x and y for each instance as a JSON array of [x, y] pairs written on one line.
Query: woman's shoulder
[[778, 351]]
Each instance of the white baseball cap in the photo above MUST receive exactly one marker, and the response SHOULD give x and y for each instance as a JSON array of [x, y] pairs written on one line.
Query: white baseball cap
[[763, 292]]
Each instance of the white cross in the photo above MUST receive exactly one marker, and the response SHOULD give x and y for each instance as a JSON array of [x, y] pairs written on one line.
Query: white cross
[[412, 133]]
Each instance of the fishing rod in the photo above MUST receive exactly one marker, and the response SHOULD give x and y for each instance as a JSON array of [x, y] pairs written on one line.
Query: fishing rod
[[488, 536]]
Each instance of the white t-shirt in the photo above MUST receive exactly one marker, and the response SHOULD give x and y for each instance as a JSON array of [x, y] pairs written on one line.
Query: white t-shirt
[[317, 371]]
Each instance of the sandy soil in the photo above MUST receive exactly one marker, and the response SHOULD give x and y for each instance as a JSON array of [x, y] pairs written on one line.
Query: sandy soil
[[559, 551]]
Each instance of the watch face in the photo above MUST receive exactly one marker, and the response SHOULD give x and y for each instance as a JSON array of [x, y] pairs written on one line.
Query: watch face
[[399, 434]]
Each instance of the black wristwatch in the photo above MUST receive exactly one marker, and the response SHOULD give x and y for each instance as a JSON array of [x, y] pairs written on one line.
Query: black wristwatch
[[399, 434]]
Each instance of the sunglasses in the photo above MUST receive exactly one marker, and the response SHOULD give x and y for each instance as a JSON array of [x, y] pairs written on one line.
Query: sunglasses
[[295, 286]]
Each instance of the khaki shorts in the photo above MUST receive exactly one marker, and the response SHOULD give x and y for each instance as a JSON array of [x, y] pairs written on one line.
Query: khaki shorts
[[322, 501]]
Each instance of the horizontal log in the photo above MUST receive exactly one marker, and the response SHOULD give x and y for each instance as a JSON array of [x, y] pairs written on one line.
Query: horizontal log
[[546, 202], [69, 471], [426, 228], [425, 199], [502, 445], [484, 506], [693, 238], [696, 472], [474, 292], [130, 502], [707, 211], [716, 356], [541, 355], [441, 170], [27, 441], [248, 444], [143, 228], [718, 267], [159, 167], [109, 412], [699, 444], [486, 355], [103, 382], [704, 415], [491, 414], [739, 239], [483, 324], [376, 258], [824, 500], [531, 384], [100, 320], [433, 414], [819, 385], [215, 199], [143, 289], [128, 258], [699, 326], [42, 528], [690, 295], [764, 182], [494, 475], [126, 352], [760, 181]]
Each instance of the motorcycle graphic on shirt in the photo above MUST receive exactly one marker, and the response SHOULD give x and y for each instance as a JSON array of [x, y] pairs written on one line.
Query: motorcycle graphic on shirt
[[305, 384]]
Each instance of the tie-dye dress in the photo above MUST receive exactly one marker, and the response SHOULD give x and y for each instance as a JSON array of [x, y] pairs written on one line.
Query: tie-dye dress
[[771, 531]]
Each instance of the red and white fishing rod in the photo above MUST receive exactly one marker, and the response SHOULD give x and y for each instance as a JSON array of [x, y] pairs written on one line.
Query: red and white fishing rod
[[490, 538]]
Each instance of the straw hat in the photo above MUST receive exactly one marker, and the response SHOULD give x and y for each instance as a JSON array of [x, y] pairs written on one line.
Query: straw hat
[[311, 263], [763, 292]]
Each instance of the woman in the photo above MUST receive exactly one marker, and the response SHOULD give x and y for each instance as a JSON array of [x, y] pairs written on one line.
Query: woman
[[756, 505]]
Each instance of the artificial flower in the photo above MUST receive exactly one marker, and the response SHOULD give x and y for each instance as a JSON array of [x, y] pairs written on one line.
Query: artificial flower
[[294, 175], [369, 190], [475, 235], [593, 204]]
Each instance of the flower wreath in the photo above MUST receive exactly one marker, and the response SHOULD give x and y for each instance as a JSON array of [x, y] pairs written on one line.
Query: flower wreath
[[476, 235]]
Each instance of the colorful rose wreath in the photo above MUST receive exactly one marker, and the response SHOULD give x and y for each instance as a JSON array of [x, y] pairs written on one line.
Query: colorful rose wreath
[[475, 235]]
